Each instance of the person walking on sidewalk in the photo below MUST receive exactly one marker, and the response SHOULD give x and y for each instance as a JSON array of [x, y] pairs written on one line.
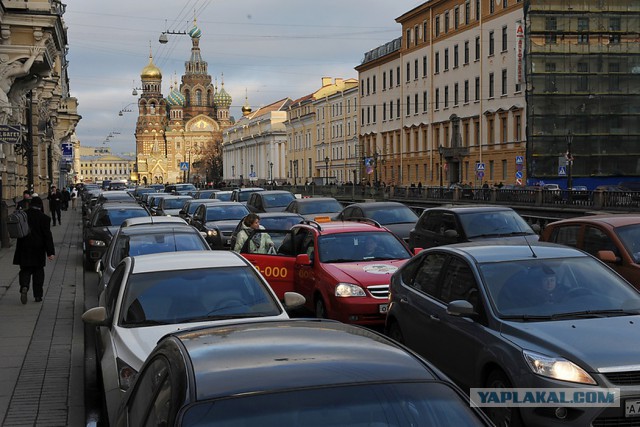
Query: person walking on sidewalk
[[26, 200], [33, 250], [74, 197], [55, 204]]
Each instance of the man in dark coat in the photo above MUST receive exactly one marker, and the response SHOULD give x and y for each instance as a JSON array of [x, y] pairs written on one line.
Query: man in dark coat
[[55, 204], [33, 250], [24, 203]]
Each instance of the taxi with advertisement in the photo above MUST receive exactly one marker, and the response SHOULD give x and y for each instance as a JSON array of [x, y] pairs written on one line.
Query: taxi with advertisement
[[343, 269]]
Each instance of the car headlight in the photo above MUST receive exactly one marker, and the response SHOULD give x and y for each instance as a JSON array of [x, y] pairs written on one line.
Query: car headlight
[[557, 368], [349, 290], [126, 374], [212, 233], [97, 243]]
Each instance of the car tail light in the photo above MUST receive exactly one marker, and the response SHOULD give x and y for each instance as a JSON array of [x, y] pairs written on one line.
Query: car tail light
[[126, 374]]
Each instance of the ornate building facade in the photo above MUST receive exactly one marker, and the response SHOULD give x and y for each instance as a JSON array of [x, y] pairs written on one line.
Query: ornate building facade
[[179, 138]]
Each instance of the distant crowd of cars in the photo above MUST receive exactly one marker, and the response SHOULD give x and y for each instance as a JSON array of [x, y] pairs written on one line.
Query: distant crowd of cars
[[479, 296]]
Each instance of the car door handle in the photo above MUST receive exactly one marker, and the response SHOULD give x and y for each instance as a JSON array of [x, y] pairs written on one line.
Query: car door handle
[[434, 317], [404, 300]]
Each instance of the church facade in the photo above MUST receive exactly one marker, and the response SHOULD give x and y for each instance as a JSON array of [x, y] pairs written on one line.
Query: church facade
[[179, 137]]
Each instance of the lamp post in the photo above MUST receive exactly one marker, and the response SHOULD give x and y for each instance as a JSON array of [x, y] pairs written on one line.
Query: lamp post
[[569, 158], [251, 173], [271, 172], [188, 165], [326, 170], [440, 151]]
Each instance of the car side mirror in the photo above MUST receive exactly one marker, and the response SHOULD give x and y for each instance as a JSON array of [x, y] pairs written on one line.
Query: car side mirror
[[303, 259], [460, 308], [607, 256], [450, 233], [96, 316], [293, 300]]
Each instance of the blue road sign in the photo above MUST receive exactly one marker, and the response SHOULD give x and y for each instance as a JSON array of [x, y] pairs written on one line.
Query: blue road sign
[[184, 166], [519, 174], [480, 166], [519, 160], [562, 170], [480, 174]]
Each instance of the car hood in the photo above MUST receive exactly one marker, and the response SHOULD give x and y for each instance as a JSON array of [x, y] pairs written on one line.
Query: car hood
[[171, 212], [616, 343], [365, 273], [226, 226], [401, 229], [135, 344]]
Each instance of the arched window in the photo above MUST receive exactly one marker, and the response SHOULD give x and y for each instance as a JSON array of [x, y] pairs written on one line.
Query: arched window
[[198, 97], [187, 96], [152, 108], [209, 99]]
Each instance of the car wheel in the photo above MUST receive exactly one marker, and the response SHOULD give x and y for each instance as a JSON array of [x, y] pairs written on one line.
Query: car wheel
[[87, 262], [502, 416], [321, 309], [395, 333]]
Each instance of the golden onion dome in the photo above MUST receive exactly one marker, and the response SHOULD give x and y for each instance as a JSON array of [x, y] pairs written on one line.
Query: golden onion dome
[[151, 71]]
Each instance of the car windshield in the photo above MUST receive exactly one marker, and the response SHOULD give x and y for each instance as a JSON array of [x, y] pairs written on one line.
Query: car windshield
[[630, 237], [115, 217], [153, 243], [377, 404], [279, 223], [224, 213], [186, 187], [224, 196], [175, 203], [319, 206], [393, 215], [494, 223], [183, 296], [557, 288], [243, 196], [360, 247], [277, 200]]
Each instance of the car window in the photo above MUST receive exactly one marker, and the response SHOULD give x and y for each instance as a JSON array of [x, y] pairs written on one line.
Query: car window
[[226, 213], [357, 247], [597, 240], [149, 404], [630, 237], [427, 274], [459, 283], [277, 200], [112, 290], [393, 215], [319, 206], [565, 235]]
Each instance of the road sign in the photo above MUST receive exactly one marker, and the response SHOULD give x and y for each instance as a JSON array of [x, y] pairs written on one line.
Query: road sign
[[519, 167], [562, 170], [519, 174], [480, 174], [252, 175], [184, 166], [518, 182], [480, 167], [67, 151], [519, 160], [10, 134]]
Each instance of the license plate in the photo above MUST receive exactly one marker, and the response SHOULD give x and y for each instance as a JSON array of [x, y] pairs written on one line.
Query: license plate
[[383, 308], [632, 408]]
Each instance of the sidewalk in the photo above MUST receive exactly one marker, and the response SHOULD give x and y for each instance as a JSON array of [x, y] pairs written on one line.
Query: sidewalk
[[42, 344]]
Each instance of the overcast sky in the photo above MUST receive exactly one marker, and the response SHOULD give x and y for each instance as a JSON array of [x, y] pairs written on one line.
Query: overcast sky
[[272, 48]]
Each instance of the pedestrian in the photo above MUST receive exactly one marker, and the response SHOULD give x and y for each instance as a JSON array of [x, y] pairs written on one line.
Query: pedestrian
[[26, 200], [55, 203], [33, 250], [66, 196], [420, 187], [260, 242], [485, 190], [74, 197]]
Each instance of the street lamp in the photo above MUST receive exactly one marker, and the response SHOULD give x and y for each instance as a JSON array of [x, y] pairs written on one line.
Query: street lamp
[[135, 89], [569, 158], [440, 151], [326, 170], [271, 172], [125, 109]]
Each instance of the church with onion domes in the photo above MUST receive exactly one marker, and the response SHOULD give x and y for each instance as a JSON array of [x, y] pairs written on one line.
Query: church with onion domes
[[178, 137]]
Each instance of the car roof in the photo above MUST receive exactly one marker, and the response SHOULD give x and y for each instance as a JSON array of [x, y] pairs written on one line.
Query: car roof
[[120, 205], [366, 205], [501, 250], [314, 199], [615, 220], [280, 355], [279, 214], [227, 203], [178, 196], [276, 192], [249, 189], [186, 261], [166, 228], [468, 208], [144, 220], [336, 227]]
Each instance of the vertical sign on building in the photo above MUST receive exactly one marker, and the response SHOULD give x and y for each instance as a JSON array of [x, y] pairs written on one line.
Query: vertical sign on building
[[519, 53]]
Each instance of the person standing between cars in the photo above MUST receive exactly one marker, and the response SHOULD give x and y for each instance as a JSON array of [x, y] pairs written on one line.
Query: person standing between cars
[[260, 243], [55, 203], [24, 203], [33, 250], [74, 197]]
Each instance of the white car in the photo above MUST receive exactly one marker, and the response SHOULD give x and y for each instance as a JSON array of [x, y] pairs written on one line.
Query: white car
[[150, 296]]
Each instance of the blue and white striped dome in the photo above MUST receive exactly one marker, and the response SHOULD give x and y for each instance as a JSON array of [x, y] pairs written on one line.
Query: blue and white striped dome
[[175, 98], [195, 32]]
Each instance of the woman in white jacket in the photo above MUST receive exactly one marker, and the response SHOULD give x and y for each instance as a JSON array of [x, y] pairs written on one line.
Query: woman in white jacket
[[260, 243]]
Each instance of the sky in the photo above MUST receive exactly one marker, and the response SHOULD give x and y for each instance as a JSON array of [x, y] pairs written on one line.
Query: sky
[[268, 49]]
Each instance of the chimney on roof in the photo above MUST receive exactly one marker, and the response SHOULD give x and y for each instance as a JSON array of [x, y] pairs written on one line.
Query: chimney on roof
[[326, 81], [339, 81]]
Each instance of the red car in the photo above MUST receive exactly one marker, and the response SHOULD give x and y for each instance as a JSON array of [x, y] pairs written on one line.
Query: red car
[[343, 269]]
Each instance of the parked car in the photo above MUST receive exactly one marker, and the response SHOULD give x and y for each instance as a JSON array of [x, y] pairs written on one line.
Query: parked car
[[103, 223], [580, 192], [204, 194], [341, 268], [242, 194], [224, 195], [144, 239], [523, 316], [465, 223], [291, 374], [313, 207], [397, 217], [183, 189], [218, 221], [612, 238], [190, 207], [171, 205], [272, 221], [153, 201], [269, 201], [150, 296]]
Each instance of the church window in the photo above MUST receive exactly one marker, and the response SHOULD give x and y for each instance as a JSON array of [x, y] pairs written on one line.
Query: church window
[[198, 97], [209, 101], [187, 96], [152, 108]]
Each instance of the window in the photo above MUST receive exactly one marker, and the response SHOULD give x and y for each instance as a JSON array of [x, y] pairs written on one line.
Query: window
[[446, 22], [408, 38], [424, 31], [374, 84], [491, 131], [374, 113], [614, 26], [424, 66], [415, 69], [583, 26], [550, 78], [437, 100], [384, 111], [504, 170], [492, 7], [198, 97], [466, 91], [455, 56], [614, 77], [467, 12], [415, 104], [491, 85], [437, 26], [477, 10], [368, 115], [455, 94], [505, 3], [477, 48], [398, 75], [390, 110], [551, 25], [408, 107], [437, 63], [477, 89], [446, 97], [446, 59], [384, 80], [416, 34], [583, 77], [391, 77], [491, 42], [517, 126], [425, 101], [466, 52], [459, 284], [426, 278], [504, 39], [503, 128], [456, 17], [504, 82], [408, 71], [398, 108], [368, 86]]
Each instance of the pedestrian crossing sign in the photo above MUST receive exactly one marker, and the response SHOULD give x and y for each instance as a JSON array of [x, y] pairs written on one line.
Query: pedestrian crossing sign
[[480, 166], [562, 170]]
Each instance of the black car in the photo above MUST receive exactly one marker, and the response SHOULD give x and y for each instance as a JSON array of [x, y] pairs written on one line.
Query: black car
[[313, 207], [204, 194], [269, 201], [242, 194], [190, 207], [464, 223], [218, 221], [397, 217], [103, 223], [289, 374], [272, 221]]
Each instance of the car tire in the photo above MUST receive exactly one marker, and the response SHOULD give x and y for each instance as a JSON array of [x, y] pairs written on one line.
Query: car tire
[[87, 262], [502, 416], [394, 332], [321, 309]]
